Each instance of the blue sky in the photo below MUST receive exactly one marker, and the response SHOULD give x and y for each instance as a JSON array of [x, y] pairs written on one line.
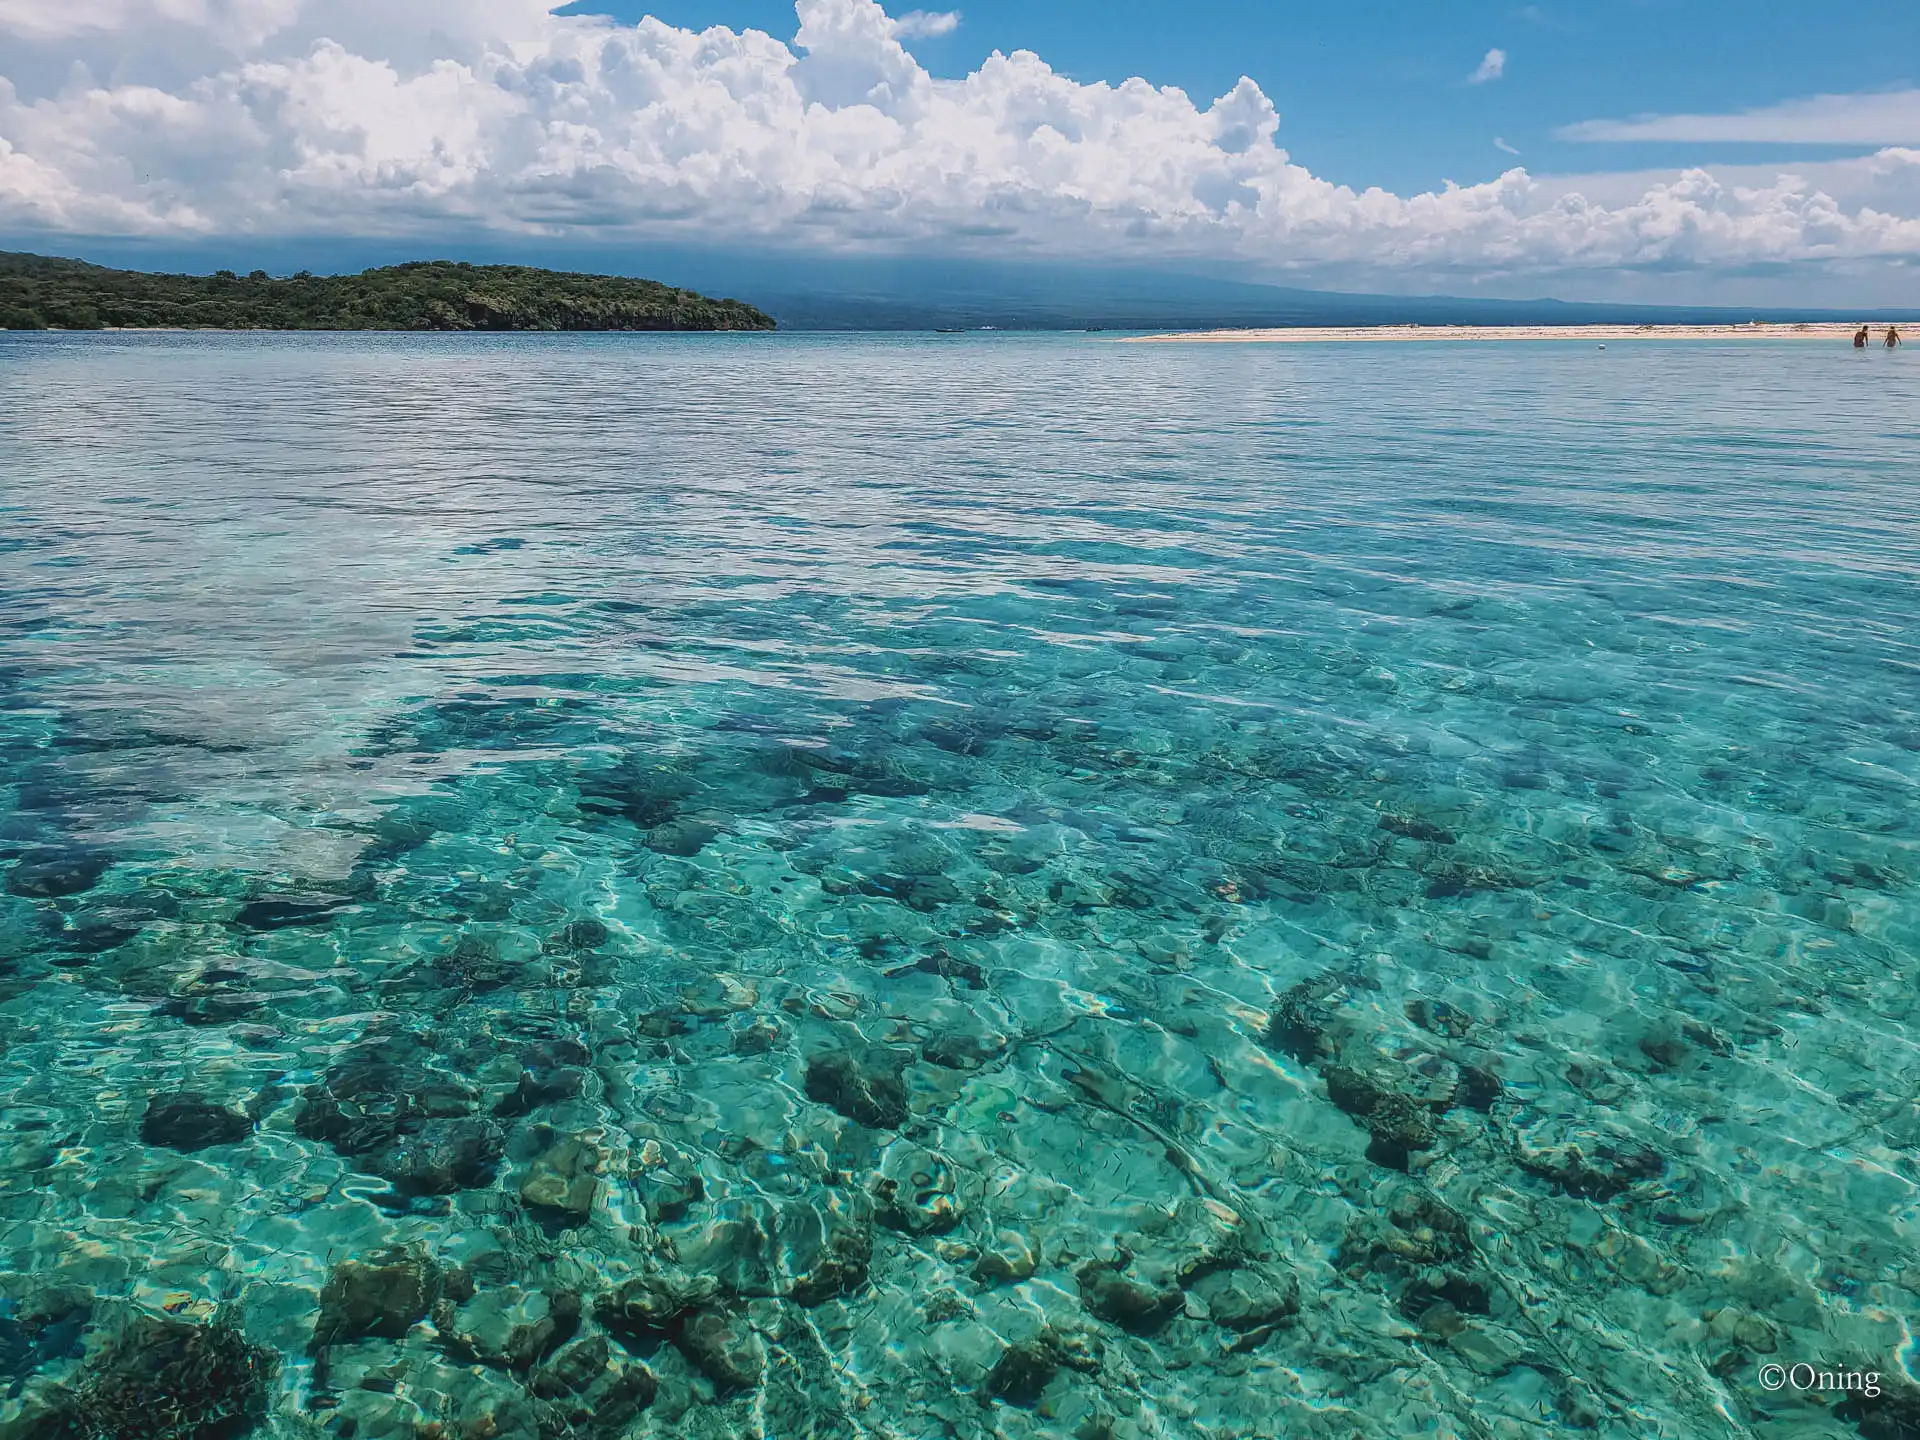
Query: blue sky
[[1375, 92], [1636, 149]]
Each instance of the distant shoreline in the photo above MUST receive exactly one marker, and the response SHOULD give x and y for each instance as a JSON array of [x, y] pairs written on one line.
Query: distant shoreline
[[46, 292], [1347, 334]]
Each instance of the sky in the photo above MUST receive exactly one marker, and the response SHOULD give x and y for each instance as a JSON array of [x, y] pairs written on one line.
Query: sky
[[1684, 150]]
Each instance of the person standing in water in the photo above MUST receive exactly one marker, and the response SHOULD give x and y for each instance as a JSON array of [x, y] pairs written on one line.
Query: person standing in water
[[1860, 338], [1893, 337]]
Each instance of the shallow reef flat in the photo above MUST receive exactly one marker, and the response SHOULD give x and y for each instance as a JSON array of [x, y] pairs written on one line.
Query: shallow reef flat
[[877, 888]]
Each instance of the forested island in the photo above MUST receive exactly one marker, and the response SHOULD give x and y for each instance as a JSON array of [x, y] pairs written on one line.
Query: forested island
[[40, 292]]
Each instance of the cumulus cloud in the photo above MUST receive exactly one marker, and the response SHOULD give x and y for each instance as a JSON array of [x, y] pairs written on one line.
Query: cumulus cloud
[[1886, 118], [443, 118], [1492, 66], [925, 24]]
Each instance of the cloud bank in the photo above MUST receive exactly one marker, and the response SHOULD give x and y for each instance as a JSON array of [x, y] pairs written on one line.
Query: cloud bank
[[444, 118], [1886, 118]]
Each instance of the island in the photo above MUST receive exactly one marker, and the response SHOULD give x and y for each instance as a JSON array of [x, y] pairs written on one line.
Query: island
[[42, 292]]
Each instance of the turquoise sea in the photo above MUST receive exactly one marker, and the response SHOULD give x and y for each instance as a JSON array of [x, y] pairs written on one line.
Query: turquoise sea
[[908, 888]]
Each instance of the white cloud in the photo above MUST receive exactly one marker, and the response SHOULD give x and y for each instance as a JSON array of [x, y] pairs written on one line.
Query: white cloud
[[1492, 66], [1500, 144], [1889, 117], [925, 24], [447, 118]]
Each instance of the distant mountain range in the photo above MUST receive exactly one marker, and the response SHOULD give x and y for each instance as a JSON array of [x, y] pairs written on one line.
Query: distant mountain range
[[799, 292], [926, 294]]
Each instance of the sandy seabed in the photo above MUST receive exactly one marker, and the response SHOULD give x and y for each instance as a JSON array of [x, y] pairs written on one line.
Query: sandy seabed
[[1304, 334]]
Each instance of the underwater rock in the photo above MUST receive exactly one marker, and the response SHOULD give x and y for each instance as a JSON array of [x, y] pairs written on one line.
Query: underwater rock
[[384, 1295], [1454, 877], [1297, 878], [1247, 1299], [1606, 1175], [281, 912], [474, 963], [216, 996], [505, 1328], [1024, 1370], [719, 995], [647, 796], [1397, 1124], [688, 1311], [1450, 1290], [96, 931], [1418, 1230], [1415, 828], [1893, 1414], [441, 1156], [827, 1247], [188, 1121], [586, 1394], [1440, 1018], [573, 1369], [1424, 1252], [956, 1047], [539, 1088], [1298, 1025], [723, 1346], [914, 1191], [43, 1321], [1666, 1046], [925, 893], [1743, 1327], [1488, 1349], [661, 1025], [54, 874], [1207, 1236], [583, 934], [555, 1053], [758, 1035], [375, 1092], [624, 1393], [165, 1379], [943, 1305], [866, 1087], [650, 1304], [1479, 1087], [563, 1178], [954, 969], [666, 1180], [413, 1125], [1135, 1304], [1006, 1258], [737, 1242], [684, 837], [533, 1340]]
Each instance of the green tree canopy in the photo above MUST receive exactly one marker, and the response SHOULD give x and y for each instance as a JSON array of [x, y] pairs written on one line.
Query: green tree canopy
[[39, 292]]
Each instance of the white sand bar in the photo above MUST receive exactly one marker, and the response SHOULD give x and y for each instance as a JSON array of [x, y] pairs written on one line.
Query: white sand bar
[[1309, 334]]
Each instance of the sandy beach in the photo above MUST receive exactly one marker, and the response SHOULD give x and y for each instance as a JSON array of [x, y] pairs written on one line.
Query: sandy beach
[[1311, 334]]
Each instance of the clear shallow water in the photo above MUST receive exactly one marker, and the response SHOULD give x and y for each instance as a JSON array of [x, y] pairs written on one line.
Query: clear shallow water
[[944, 887]]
